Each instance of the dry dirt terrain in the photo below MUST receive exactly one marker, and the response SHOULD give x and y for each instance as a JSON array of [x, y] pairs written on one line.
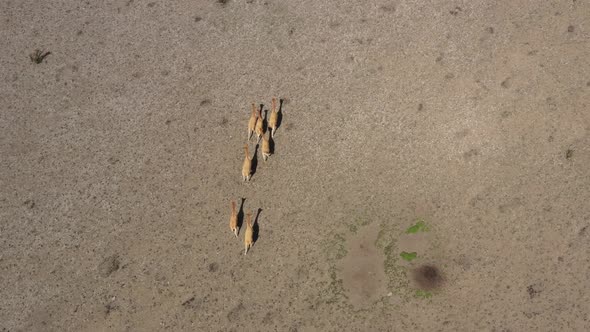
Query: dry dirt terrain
[[431, 171]]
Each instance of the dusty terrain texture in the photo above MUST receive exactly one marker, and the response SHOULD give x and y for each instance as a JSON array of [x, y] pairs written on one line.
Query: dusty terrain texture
[[121, 151]]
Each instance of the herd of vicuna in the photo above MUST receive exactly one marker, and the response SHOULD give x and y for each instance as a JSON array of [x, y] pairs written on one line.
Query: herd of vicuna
[[256, 125]]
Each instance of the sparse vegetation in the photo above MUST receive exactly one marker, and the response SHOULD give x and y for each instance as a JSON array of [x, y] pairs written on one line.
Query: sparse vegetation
[[38, 56], [398, 280], [335, 248], [335, 290], [357, 223], [396, 274]]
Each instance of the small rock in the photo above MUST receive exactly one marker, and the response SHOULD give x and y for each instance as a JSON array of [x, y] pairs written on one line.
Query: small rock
[[109, 265]]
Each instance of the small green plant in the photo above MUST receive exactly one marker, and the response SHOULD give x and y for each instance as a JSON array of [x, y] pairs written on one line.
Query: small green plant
[[38, 56], [420, 226], [408, 256], [423, 294]]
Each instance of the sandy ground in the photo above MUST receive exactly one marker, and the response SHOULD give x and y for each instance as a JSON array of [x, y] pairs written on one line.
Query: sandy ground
[[121, 151]]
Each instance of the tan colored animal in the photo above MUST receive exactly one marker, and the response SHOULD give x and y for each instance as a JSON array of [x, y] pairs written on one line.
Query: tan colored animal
[[274, 116], [259, 125], [247, 166], [252, 121], [249, 237], [233, 220], [266, 147]]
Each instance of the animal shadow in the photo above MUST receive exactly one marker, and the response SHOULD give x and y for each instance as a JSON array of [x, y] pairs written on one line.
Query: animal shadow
[[265, 121], [271, 144], [280, 115], [241, 214], [255, 227], [254, 164]]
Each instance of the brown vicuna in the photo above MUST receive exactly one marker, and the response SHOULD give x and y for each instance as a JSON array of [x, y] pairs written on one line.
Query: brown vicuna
[[252, 121], [259, 129], [247, 166], [274, 116], [249, 237], [233, 220]]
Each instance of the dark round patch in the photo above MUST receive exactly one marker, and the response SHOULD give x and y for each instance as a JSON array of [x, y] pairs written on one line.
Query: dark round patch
[[213, 267], [428, 277]]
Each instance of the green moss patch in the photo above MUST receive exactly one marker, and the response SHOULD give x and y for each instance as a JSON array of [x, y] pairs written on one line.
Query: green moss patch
[[408, 256], [420, 226], [423, 294]]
